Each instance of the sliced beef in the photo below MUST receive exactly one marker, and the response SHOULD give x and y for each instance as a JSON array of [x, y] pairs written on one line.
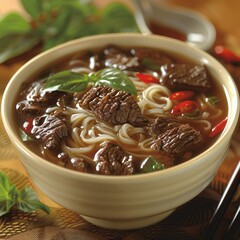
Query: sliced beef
[[78, 164], [185, 76], [35, 94], [112, 160], [153, 59], [162, 124], [114, 57], [179, 140], [26, 110], [50, 130], [117, 58], [136, 59], [96, 62], [113, 106], [173, 136]]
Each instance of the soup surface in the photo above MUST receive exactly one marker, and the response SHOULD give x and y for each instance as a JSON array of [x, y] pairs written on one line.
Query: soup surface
[[166, 31], [121, 111]]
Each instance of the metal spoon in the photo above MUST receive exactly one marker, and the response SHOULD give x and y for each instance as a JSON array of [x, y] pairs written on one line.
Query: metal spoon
[[198, 30]]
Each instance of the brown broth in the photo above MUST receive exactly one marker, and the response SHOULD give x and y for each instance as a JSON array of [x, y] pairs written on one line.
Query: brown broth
[[166, 31], [63, 64]]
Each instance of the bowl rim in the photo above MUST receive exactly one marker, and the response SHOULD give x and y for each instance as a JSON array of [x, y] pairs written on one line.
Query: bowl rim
[[177, 169]]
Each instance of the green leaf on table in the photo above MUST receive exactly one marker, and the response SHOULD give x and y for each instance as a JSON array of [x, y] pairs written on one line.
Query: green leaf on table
[[33, 7], [59, 3], [16, 44], [13, 23], [119, 18], [85, 9], [28, 201], [8, 194], [81, 15], [66, 26], [87, 19], [72, 20], [56, 21]]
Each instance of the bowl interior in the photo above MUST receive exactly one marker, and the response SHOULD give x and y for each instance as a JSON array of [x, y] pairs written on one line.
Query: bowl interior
[[38, 63]]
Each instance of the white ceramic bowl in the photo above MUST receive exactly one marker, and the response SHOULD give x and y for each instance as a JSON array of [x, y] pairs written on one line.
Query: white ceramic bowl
[[123, 202]]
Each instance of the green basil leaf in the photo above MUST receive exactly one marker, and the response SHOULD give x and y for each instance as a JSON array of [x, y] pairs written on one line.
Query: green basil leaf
[[33, 7], [69, 81], [59, 5], [48, 5], [94, 26], [13, 23], [78, 16], [114, 78], [28, 201], [8, 194], [16, 44], [83, 15], [5, 185], [4, 182], [9, 201], [63, 21], [119, 18], [56, 31], [151, 165], [73, 16], [66, 81], [85, 8], [53, 41]]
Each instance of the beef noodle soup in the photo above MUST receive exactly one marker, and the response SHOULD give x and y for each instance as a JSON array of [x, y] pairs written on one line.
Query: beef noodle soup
[[121, 111]]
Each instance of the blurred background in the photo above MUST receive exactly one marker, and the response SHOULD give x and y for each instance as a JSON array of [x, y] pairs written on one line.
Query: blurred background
[[224, 14]]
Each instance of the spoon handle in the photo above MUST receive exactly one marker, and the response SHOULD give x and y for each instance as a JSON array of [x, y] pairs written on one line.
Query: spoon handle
[[140, 17]]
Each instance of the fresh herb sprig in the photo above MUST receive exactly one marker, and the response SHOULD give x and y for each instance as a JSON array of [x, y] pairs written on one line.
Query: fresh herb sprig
[[52, 22], [69, 81], [26, 199]]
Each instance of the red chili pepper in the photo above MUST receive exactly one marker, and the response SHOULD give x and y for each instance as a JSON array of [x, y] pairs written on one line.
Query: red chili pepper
[[185, 107], [28, 125], [181, 95], [226, 54], [147, 78], [218, 128]]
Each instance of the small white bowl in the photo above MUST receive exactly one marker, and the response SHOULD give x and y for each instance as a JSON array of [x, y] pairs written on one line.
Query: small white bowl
[[122, 202], [199, 31]]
